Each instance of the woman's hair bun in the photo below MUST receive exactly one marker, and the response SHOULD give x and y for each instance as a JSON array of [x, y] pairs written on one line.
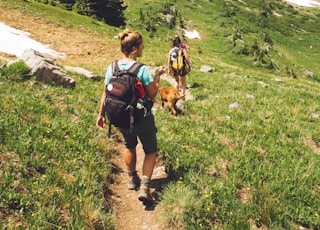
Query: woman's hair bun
[[124, 34]]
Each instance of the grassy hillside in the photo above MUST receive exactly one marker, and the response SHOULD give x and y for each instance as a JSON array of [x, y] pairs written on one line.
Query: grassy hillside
[[254, 165], [229, 28]]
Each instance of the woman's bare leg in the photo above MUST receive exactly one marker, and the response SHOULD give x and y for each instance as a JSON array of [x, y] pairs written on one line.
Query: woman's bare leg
[[183, 83], [130, 158], [178, 82], [148, 164]]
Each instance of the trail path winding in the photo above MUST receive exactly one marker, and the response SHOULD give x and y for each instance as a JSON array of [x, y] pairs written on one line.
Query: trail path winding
[[128, 211]]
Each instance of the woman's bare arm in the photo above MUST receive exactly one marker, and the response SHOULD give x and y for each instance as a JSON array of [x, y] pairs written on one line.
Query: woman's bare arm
[[153, 87]]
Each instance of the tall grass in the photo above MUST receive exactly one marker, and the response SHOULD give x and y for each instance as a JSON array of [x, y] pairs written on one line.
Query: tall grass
[[54, 164], [266, 146], [255, 165]]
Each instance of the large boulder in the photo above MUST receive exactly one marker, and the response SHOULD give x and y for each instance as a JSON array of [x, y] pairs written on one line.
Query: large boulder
[[43, 68]]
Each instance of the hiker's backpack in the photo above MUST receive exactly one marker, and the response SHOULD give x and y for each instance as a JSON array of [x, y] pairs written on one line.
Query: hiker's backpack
[[177, 58], [124, 101]]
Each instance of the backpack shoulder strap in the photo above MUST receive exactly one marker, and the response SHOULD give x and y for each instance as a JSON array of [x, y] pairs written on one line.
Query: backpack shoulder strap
[[135, 67], [115, 67], [181, 51]]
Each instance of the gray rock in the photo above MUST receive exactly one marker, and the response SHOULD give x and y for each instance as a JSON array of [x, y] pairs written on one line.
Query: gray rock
[[43, 68], [206, 69], [83, 71]]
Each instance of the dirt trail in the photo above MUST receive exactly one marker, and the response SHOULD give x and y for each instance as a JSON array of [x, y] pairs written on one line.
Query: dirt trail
[[129, 212], [81, 46]]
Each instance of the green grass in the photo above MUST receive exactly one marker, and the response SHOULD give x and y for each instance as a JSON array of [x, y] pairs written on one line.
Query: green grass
[[54, 162], [263, 143], [230, 168], [66, 19]]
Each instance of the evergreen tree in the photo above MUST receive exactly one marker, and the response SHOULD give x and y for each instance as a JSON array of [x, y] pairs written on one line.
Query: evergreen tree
[[67, 2], [110, 11], [83, 7]]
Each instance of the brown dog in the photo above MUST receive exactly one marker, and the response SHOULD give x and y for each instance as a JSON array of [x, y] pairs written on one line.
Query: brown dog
[[171, 96]]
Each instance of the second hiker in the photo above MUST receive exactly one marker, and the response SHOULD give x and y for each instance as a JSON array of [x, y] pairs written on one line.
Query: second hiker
[[179, 63]]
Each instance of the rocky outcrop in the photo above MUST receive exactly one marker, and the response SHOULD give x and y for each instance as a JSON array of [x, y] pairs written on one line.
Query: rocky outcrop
[[44, 69]]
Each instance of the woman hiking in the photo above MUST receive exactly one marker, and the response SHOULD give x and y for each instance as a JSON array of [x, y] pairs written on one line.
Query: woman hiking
[[132, 48], [179, 63]]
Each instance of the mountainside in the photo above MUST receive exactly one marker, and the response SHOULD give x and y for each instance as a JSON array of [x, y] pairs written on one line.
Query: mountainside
[[260, 35], [242, 154]]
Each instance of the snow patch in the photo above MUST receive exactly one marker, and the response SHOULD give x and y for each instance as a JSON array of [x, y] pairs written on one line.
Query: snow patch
[[192, 34], [15, 42], [309, 3]]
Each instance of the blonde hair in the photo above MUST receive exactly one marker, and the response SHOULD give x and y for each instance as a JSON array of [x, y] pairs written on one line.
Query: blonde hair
[[128, 40]]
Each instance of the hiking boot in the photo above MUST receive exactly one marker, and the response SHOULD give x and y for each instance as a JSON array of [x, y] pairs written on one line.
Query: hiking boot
[[145, 197], [134, 181], [144, 193]]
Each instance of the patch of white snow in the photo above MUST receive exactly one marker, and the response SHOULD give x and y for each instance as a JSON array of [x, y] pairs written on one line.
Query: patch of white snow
[[309, 3], [15, 42], [192, 34]]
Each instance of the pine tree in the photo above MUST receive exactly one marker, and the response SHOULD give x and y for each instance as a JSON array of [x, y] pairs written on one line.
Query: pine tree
[[110, 11], [83, 7]]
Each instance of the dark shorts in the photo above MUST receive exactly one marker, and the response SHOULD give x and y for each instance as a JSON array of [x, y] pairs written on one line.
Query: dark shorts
[[177, 73], [146, 131]]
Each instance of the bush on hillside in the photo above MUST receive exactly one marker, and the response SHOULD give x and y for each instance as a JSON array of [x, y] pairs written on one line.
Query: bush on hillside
[[18, 71], [111, 11]]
